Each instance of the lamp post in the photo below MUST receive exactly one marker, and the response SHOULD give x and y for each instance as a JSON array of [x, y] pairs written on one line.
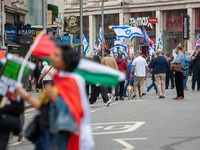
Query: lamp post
[[81, 27], [123, 12], [3, 23], [44, 5], [102, 13]]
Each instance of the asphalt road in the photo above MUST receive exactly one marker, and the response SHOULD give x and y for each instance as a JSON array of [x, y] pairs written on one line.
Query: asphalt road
[[149, 123]]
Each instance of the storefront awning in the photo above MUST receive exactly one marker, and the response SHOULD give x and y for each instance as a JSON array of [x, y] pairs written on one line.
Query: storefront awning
[[11, 44]]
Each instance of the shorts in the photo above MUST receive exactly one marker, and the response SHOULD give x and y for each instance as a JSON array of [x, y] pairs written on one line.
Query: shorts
[[138, 80]]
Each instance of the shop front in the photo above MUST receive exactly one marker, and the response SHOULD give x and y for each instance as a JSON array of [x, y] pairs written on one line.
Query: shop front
[[173, 25], [140, 19]]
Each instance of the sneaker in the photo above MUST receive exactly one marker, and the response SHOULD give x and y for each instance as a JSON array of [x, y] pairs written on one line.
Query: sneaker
[[140, 96], [20, 138], [108, 103], [186, 89], [121, 98], [134, 96], [162, 97], [125, 95], [143, 93], [147, 93], [116, 98]]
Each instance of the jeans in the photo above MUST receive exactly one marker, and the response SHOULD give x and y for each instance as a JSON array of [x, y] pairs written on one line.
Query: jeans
[[152, 85], [196, 78], [131, 83], [185, 79], [4, 139]]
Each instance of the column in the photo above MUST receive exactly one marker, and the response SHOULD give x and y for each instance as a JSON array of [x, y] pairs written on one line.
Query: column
[[159, 25], [92, 32], [191, 42]]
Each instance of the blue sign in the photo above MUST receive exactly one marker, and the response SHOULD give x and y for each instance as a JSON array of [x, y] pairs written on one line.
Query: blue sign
[[65, 39], [11, 33]]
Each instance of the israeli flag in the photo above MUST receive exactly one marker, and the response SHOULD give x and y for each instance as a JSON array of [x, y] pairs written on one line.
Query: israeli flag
[[86, 46], [95, 49], [127, 32], [160, 41], [100, 35], [151, 51], [121, 44]]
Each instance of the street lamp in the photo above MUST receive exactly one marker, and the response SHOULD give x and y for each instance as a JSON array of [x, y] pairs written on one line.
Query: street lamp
[[102, 15]]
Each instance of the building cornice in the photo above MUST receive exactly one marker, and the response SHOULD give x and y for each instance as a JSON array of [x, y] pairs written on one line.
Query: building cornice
[[9, 9], [137, 7]]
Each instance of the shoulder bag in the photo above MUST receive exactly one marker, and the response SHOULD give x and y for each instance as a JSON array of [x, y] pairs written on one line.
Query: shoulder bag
[[175, 67]]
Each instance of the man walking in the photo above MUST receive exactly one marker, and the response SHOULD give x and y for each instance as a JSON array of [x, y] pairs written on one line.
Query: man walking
[[122, 66], [140, 66], [160, 66]]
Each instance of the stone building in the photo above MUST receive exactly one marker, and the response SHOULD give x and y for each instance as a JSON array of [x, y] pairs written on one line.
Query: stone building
[[169, 14]]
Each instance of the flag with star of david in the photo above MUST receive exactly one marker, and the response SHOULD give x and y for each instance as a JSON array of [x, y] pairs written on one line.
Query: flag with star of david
[[86, 46], [127, 32]]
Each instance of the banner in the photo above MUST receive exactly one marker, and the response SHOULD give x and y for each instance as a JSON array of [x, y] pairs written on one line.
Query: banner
[[9, 76]]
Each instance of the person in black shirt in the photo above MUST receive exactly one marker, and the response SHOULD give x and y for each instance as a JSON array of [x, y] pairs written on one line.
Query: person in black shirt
[[196, 70]]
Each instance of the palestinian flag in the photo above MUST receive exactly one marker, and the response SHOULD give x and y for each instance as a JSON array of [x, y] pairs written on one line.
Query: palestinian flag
[[2, 58], [43, 46], [99, 74], [71, 88]]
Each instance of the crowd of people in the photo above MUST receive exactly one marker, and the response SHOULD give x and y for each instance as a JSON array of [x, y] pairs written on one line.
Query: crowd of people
[[63, 92]]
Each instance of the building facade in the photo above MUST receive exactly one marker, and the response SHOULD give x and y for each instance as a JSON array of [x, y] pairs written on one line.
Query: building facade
[[169, 15]]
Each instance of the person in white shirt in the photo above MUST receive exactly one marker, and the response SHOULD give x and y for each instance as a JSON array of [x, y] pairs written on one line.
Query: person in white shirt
[[47, 74], [140, 66]]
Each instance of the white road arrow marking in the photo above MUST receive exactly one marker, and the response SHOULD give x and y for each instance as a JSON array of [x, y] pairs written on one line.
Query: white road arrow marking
[[127, 145]]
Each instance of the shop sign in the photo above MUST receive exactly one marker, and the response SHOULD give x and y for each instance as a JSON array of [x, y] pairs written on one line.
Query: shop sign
[[65, 39], [186, 28], [140, 21], [153, 20], [27, 31], [72, 22], [11, 33]]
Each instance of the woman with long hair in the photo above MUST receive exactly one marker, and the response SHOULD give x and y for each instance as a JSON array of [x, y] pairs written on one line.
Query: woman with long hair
[[65, 115]]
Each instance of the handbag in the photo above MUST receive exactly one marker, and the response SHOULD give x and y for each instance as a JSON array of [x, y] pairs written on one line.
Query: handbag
[[175, 67], [32, 131]]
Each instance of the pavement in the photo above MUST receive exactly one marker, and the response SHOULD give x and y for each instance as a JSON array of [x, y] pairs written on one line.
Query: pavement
[[147, 123]]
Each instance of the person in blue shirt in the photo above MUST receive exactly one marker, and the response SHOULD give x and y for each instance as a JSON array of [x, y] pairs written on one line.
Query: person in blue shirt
[[160, 66], [180, 59], [186, 65]]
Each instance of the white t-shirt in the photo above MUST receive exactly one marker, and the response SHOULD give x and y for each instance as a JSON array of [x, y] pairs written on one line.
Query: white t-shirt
[[140, 66], [50, 74]]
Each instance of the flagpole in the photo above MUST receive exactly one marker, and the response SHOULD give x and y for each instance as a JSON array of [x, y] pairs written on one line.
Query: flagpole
[[102, 13], [81, 27], [3, 23]]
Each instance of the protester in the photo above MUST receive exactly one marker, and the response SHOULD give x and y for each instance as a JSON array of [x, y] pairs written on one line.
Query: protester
[[36, 75], [66, 120], [140, 66], [153, 75], [122, 66], [11, 111], [95, 89], [187, 72], [180, 59], [169, 73], [130, 80], [196, 70], [160, 66], [47, 74], [110, 62]]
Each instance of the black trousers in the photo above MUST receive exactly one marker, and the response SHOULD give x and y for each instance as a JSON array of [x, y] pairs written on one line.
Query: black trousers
[[95, 93], [168, 78], [120, 90], [179, 84], [4, 138]]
